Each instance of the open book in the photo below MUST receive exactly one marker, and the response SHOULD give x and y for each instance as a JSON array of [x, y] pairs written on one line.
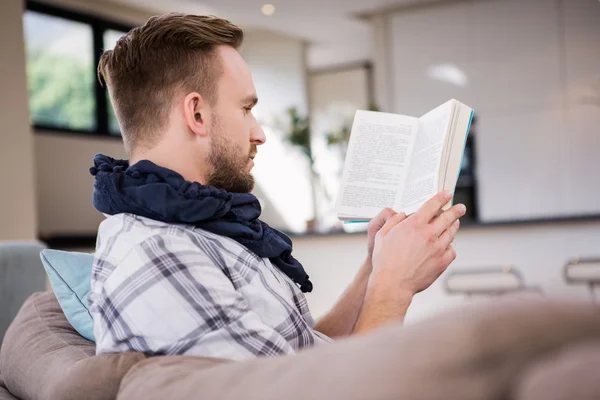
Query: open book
[[400, 162]]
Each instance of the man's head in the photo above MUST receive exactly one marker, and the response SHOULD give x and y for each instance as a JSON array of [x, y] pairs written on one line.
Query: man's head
[[183, 97]]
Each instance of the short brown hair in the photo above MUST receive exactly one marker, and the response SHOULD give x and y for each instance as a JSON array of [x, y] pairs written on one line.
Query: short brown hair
[[152, 62]]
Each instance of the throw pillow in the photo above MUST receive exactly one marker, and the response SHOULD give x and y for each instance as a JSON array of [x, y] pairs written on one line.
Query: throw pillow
[[70, 275]]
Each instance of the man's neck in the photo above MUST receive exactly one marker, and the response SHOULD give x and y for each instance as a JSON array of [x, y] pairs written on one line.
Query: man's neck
[[176, 159]]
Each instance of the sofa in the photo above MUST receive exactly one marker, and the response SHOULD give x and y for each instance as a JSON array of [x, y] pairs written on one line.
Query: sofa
[[21, 274], [502, 349]]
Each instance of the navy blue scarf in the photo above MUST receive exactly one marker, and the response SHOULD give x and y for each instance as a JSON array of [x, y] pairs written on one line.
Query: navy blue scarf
[[151, 191]]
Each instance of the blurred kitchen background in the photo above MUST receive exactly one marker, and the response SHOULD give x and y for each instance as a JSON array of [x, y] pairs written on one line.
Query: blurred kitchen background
[[531, 173]]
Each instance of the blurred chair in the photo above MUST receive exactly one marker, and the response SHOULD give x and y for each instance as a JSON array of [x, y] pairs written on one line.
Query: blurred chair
[[583, 272], [489, 281], [21, 274]]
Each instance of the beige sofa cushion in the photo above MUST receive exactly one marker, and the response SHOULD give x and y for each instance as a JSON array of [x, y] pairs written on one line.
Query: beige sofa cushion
[[571, 373], [43, 357], [4, 393], [473, 353]]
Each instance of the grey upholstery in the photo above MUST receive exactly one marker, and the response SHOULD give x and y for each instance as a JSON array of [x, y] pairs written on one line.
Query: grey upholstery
[[4, 393], [21, 274]]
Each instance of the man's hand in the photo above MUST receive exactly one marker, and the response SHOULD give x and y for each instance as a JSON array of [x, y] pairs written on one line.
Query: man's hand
[[408, 255], [376, 224], [341, 319], [413, 252]]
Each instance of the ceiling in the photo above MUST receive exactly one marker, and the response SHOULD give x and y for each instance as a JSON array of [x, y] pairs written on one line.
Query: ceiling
[[336, 33]]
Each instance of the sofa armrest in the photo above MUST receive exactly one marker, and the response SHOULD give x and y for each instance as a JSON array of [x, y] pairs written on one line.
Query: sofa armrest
[[475, 352], [21, 274], [4, 393]]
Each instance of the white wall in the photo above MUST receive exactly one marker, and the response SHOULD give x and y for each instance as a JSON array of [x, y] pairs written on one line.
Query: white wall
[[18, 216], [528, 66], [538, 251]]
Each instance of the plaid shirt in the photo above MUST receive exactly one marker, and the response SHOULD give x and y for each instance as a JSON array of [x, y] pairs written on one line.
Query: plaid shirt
[[167, 289]]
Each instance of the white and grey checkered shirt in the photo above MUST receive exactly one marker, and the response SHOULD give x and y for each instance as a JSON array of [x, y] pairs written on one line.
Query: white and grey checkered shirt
[[166, 289]]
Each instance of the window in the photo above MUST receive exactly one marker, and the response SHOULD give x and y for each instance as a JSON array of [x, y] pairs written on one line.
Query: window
[[59, 72], [63, 49]]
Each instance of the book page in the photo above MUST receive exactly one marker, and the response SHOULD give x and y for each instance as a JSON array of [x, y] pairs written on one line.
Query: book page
[[456, 147], [449, 140], [375, 163], [422, 177]]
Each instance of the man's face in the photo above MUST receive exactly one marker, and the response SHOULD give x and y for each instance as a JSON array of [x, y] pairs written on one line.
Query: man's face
[[234, 132]]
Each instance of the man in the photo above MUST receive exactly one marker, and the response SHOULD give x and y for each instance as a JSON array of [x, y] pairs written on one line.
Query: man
[[183, 264]]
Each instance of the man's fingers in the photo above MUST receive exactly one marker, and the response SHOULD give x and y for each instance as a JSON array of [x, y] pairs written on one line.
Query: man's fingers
[[380, 219], [432, 206], [444, 221], [375, 226], [393, 221], [447, 237], [448, 257]]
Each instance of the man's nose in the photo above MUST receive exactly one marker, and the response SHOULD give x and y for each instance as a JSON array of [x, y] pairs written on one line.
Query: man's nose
[[257, 135]]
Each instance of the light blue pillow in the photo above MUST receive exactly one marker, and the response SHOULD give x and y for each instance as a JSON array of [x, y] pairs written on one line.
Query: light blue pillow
[[70, 275]]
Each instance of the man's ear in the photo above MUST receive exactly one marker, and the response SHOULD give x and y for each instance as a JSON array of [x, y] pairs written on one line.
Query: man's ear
[[195, 113]]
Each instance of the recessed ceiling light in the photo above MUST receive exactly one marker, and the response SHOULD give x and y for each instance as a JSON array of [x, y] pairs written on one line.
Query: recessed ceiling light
[[268, 9], [449, 73]]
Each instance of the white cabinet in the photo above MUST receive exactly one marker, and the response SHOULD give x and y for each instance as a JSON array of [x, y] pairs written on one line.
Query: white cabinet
[[531, 71], [516, 71], [521, 164], [582, 51], [582, 83], [429, 54], [581, 188], [515, 56], [498, 56]]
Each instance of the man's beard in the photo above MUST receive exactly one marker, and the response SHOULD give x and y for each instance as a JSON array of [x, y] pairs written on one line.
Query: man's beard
[[229, 164]]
